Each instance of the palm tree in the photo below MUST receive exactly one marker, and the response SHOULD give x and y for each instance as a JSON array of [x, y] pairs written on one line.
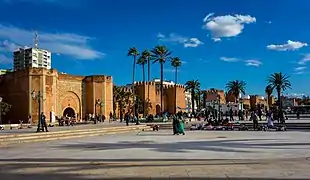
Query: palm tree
[[268, 91], [160, 55], [147, 55], [192, 86], [280, 82], [176, 63], [236, 88], [134, 53], [142, 61]]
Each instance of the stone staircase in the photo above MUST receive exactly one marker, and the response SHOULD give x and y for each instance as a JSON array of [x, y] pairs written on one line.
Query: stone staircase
[[68, 134]]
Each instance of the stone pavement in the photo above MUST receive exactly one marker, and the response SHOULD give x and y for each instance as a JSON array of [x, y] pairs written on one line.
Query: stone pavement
[[216, 154]]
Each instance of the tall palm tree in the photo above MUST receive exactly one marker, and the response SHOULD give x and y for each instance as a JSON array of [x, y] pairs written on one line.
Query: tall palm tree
[[268, 91], [280, 82], [176, 63], [236, 88], [134, 53], [192, 86], [160, 55], [147, 55], [142, 61]]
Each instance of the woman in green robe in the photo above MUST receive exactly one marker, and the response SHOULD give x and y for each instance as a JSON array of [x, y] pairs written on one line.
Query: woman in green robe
[[181, 125], [175, 125]]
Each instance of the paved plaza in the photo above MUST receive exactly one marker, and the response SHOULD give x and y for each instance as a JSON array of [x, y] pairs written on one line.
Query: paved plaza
[[212, 154]]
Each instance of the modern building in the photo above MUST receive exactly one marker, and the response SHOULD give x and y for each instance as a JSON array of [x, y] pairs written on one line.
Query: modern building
[[28, 57], [60, 94]]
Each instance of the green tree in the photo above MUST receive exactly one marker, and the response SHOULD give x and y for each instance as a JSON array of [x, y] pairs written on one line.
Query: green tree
[[134, 53], [116, 91], [5, 108], [176, 63], [123, 99], [160, 55], [193, 86], [236, 88], [279, 82]]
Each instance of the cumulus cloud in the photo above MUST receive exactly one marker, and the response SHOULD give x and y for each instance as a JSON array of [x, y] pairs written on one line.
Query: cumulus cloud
[[175, 38], [229, 59], [227, 25], [255, 63], [289, 46], [305, 59], [69, 44]]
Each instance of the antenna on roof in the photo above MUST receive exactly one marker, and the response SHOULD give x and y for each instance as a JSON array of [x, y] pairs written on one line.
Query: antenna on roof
[[36, 40]]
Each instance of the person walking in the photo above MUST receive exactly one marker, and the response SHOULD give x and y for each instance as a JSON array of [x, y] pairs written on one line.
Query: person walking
[[43, 122], [180, 124], [255, 120], [175, 125]]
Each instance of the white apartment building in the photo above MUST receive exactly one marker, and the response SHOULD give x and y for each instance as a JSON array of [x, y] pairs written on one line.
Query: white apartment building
[[31, 57]]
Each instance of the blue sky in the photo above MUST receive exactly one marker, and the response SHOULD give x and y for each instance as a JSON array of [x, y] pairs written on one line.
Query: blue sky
[[217, 41]]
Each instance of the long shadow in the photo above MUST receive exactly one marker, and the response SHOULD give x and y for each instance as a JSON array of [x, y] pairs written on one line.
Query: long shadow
[[65, 170], [223, 145]]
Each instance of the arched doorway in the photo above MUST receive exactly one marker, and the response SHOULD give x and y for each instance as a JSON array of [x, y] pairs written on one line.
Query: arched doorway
[[157, 109], [69, 112]]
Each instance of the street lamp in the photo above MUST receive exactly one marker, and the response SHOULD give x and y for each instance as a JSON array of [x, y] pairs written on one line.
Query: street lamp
[[219, 106], [37, 97], [100, 104], [1, 110]]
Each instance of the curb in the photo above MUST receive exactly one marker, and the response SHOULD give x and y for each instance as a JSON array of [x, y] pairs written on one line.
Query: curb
[[33, 139]]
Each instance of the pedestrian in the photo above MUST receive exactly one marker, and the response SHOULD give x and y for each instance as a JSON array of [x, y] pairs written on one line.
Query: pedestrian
[[43, 122]]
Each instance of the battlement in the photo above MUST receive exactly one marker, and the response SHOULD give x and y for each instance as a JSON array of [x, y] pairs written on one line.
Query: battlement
[[98, 78], [138, 83], [215, 91]]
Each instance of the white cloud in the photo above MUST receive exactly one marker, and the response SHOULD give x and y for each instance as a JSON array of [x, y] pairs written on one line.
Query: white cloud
[[175, 38], [68, 44], [305, 59], [226, 26], [255, 63], [301, 68], [289, 46], [229, 59]]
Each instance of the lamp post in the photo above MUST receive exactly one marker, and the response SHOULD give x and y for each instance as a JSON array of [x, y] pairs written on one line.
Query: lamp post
[[37, 97], [219, 106], [0, 110], [100, 104]]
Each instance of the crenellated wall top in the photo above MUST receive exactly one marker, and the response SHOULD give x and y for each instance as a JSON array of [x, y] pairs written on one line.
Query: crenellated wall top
[[166, 86], [98, 78]]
